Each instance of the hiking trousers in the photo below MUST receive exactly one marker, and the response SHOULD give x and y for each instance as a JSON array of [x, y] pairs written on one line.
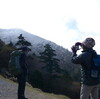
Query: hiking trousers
[[21, 86], [89, 91]]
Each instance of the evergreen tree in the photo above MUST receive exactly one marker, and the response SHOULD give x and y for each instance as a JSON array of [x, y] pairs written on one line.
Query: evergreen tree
[[22, 41], [11, 44], [1, 43], [48, 57]]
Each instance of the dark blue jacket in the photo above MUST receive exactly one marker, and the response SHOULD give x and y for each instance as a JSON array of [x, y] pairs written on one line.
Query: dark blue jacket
[[85, 59], [23, 64]]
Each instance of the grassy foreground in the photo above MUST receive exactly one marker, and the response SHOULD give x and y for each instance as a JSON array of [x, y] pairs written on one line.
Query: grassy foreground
[[8, 90]]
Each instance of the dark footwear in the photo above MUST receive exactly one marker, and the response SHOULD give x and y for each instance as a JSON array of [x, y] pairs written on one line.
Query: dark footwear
[[22, 98], [25, 98]]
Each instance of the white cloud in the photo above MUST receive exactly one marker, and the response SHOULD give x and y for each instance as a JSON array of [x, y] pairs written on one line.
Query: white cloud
[[61, 21]]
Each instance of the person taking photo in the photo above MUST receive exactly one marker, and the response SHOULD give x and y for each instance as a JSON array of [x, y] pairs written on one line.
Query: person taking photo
[[89, 85]]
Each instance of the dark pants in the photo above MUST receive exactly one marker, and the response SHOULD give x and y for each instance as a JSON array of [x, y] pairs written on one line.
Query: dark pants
[[21, 86]]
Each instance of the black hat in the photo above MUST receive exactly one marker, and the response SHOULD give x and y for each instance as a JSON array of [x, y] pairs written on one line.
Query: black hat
[[25, 48]]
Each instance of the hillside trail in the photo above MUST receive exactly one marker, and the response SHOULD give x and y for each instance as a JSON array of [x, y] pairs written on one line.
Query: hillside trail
[[8, 90]]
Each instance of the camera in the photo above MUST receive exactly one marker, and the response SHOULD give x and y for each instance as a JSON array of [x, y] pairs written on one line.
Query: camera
[[77, 45]]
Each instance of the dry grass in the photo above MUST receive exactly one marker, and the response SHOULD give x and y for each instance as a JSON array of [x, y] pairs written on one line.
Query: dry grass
[[8, 90]]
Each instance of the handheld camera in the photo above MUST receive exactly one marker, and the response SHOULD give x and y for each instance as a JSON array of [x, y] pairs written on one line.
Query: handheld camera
[[78, 45]]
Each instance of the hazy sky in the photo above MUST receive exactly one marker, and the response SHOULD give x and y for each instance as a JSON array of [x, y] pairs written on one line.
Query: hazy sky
[[61, 21]]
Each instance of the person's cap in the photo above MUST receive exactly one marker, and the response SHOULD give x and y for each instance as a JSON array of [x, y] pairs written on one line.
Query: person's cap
[[88, 42], [25, 48]]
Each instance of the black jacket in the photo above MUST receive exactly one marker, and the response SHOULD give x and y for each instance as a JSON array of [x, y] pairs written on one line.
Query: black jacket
[[85, 59], [23, 64]]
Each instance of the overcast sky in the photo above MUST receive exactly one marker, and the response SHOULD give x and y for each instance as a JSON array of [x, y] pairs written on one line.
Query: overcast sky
[[61, 21]]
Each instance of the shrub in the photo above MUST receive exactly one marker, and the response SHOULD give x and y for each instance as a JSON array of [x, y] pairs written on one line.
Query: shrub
[[35, 79]]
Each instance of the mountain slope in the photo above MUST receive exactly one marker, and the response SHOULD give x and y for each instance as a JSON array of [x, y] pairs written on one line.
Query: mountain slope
[[8, 35], [38, 46], [38, 43], [8, 90]]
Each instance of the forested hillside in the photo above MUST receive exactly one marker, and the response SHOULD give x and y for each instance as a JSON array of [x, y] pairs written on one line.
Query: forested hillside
[[49, 65]]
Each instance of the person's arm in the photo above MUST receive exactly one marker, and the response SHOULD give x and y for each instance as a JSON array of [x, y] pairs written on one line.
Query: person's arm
[[78, 59]]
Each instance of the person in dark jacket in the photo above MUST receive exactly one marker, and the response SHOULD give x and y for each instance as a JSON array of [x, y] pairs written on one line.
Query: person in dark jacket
[[22, 77], [89, 86]]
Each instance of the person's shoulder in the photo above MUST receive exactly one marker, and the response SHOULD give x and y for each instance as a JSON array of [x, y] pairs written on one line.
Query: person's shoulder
[[85, 54], [89, 53]]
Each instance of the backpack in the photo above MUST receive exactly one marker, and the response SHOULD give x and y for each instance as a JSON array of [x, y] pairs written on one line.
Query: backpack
[[95, 69], [14, 63]]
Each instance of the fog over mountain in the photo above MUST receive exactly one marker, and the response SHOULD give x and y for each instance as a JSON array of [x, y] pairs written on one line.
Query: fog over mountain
[[8, 35], [38, 43]]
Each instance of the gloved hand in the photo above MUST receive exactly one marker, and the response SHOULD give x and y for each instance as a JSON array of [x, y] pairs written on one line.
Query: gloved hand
[[74, 50]]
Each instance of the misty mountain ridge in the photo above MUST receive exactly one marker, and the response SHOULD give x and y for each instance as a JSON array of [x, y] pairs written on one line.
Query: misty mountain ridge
[[38, 43], [8, 35]]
